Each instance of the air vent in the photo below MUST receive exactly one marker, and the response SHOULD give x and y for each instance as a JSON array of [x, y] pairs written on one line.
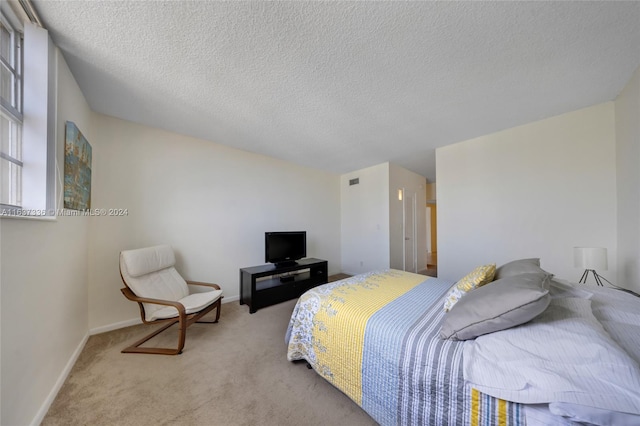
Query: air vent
[[354, 181]]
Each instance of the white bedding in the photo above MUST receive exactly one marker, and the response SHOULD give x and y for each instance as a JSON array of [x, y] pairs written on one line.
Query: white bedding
[[564, 355], [591, 415], [619, 314]]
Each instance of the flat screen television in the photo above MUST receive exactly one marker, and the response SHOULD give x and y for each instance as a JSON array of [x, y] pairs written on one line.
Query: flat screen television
[[284, 248]]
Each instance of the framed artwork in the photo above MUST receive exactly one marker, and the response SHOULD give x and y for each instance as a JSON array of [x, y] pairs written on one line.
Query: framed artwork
[[77, 169]]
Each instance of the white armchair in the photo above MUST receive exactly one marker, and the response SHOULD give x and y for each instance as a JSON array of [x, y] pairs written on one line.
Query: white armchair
[[152, 281]]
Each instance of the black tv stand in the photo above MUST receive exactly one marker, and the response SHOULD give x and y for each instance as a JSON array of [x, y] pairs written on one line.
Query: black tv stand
[[285, 263], [263, 285]]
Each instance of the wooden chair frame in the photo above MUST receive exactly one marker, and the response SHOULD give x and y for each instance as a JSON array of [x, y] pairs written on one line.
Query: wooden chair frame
[[183, 319]]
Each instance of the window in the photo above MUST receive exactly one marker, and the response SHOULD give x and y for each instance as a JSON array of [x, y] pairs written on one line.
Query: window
[[27, 114], [11, 60]]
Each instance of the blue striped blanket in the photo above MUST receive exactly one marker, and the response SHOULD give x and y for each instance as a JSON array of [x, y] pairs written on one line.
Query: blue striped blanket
[[375, 336]]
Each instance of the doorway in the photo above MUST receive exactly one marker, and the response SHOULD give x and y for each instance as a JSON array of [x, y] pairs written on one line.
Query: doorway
[[432, 240], [410, 260]]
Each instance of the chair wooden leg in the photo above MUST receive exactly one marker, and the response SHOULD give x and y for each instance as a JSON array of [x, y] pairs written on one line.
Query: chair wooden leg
[[183, 323], [217, 306], [135, 349], [183, 333]]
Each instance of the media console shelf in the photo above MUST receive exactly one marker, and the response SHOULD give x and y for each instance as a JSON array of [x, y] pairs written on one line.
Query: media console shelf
[[266, 285]]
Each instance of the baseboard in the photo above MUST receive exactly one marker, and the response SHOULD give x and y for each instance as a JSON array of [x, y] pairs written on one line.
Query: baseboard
[[230, 299], [136, 321], [44, 408], [115, 326]]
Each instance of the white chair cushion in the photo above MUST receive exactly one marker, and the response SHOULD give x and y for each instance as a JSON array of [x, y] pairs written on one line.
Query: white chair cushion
[[160, 281], [192, 303], [149, 273], [166, 285], [146, 260]]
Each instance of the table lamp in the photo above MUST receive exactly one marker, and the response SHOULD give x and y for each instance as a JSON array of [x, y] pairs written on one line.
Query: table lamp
[[590, 259]]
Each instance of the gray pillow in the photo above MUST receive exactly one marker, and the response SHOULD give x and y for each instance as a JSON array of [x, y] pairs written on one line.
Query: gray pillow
[[518, 267], [496, 306]]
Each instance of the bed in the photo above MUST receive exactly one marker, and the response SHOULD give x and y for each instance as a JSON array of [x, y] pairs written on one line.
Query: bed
[[376, 337]]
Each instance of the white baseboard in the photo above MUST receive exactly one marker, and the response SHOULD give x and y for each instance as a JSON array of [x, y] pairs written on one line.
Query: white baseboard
[[115, 326], [61, 379], [230, 299]]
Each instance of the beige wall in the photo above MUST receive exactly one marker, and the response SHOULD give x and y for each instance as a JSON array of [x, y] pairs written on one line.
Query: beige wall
[[535, 190], [627, 108], [212, 203], [44, 287], [431, 191], [365, 220]]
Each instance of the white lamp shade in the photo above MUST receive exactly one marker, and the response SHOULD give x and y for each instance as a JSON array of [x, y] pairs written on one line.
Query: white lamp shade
[[590, 258]]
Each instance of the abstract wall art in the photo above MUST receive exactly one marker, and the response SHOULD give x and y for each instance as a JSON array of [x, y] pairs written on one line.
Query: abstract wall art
[[77, 169]]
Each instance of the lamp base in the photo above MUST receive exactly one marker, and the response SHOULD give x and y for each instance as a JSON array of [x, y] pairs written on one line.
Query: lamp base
[[597, 277]]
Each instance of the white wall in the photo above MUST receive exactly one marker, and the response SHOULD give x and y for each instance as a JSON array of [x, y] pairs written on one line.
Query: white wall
[[44, 288], [535, 190], [212, 203], [365, 220], [412, 183], [627, 110]]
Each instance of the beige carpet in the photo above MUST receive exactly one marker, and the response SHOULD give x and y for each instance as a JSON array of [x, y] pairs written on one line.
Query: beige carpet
[[231, 373]]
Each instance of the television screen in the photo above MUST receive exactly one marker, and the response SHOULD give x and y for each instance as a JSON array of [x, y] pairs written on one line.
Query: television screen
[[285, 247]]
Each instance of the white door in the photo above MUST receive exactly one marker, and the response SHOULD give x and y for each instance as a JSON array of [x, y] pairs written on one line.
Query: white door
[[409, 226]]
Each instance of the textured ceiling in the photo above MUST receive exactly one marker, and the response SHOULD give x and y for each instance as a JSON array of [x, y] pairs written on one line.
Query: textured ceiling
[[344, 85]]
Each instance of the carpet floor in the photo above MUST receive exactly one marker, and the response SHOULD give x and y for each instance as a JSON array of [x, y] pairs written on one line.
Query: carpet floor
[[234, 372]]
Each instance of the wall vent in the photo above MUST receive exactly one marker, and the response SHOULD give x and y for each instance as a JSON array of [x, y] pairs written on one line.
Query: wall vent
[[354, 181]]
